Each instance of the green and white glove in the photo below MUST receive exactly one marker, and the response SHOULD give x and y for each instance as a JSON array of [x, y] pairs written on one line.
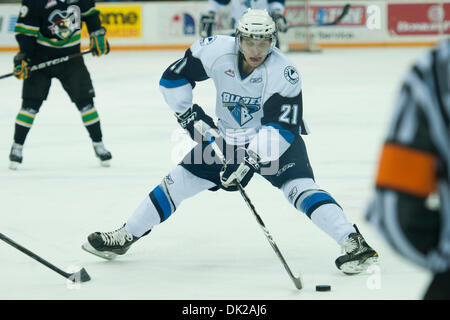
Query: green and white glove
[[21, 66], [98, 43]]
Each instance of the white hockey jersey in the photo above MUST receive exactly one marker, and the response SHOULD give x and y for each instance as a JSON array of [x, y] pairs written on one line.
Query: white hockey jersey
[[262, 109], [238, 7]]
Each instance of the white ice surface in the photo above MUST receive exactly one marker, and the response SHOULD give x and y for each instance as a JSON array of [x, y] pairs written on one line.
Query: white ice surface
[[212, 247]]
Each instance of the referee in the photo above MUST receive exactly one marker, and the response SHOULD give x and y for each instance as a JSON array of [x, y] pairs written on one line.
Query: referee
[[411, 205]]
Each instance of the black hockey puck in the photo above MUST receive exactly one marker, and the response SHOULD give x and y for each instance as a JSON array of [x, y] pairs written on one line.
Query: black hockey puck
[[323, 287]]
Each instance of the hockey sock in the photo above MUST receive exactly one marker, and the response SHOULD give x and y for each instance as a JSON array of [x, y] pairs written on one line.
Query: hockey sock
[[331, 219], [91, 121], [24, 122], [144, 218], [95, 132], [163, 200], [320, 207]]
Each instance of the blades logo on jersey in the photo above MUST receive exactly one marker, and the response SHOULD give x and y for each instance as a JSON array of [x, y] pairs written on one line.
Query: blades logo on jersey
[[207, 41], [291, 74], [241, 108], [65, 23]]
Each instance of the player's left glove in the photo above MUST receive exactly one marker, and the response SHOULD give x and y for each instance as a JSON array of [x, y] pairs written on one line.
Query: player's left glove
[[190, 116], [236, 170], [98, 43], [280, 22], [21, 65]]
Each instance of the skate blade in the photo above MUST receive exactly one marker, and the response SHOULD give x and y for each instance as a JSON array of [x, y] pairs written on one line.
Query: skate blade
[[355, 267], [108, 255], [105, 163], [13, 165]]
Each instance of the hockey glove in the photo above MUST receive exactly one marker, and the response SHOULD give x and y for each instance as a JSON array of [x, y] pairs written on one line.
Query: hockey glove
[[207, 22], [21, 66], [98, 43], [280, 22], [236, 170], [191, 115]]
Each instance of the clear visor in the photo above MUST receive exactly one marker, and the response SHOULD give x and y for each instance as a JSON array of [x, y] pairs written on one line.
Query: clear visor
[[256, 47]]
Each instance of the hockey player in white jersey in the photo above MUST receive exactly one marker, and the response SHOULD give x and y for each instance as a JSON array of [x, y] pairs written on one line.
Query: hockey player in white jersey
[[260, 119], [238, 8]]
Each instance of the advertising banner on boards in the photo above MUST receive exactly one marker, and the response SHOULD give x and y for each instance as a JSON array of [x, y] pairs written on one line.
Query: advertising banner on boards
[[408, 19]]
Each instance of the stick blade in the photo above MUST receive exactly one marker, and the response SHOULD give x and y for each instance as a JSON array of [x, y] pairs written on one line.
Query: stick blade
[[80, 276], [298, 283]]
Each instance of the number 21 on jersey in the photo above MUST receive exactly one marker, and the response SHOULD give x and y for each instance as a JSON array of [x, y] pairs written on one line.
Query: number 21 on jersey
[[289, 113]]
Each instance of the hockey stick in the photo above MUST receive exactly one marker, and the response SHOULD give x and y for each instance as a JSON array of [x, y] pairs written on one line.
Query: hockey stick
[[79, 276], [52, 62], [344, 12], [209, 133]]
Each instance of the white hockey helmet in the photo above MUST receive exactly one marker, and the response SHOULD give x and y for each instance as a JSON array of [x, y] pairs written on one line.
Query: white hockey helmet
[[256, 24]]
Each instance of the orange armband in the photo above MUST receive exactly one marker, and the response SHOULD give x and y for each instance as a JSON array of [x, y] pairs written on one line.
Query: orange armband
[[405, 169]]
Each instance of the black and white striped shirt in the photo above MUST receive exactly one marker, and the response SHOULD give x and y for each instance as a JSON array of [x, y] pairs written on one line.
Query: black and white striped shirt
[[411, 206]]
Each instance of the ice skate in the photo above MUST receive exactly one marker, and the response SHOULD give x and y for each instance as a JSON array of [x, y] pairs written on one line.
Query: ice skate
[[108, 245], [358, 255], [15, 156], [103, 154]]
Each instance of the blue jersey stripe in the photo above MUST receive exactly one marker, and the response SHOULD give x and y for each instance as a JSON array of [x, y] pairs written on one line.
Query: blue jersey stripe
[[286, 134], [166, 83]]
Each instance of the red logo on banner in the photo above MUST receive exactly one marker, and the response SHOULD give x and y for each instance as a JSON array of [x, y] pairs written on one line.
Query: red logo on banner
[[419, 19]]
